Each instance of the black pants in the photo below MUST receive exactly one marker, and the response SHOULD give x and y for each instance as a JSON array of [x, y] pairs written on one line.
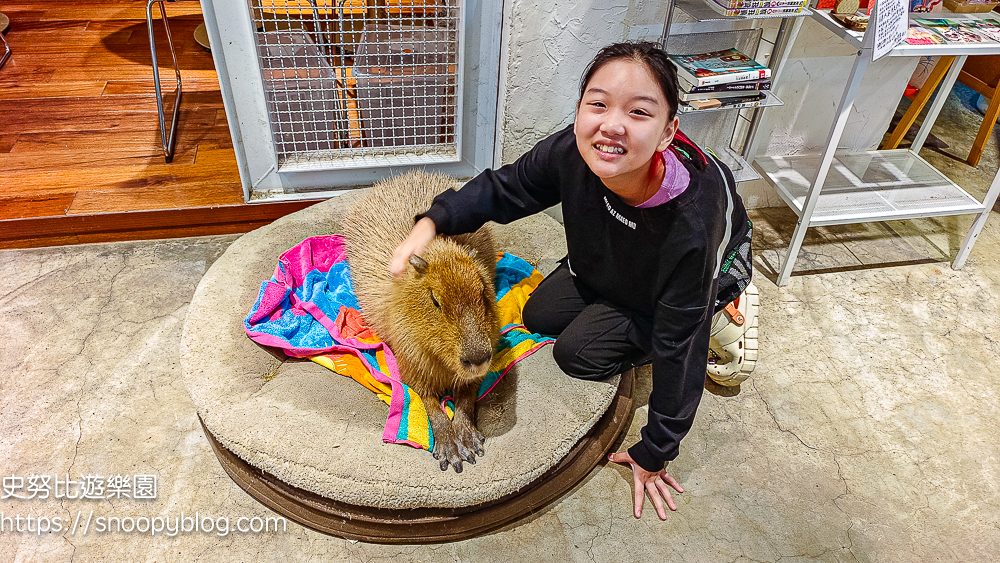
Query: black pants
[[594, 338]]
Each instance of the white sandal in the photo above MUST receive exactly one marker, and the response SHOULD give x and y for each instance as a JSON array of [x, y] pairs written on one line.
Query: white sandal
[[732, 352]]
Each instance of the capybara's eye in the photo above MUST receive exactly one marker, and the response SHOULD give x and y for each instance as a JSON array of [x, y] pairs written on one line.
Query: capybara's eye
[[435, 301]]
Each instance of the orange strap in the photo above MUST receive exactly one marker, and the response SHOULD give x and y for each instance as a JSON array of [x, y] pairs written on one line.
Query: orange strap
[[734, 313]]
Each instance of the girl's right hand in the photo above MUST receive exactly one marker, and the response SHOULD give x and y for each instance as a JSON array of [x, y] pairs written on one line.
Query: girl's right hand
[[422, 233]]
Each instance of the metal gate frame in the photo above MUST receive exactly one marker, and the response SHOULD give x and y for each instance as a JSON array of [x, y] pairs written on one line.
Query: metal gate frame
[[234, 50]]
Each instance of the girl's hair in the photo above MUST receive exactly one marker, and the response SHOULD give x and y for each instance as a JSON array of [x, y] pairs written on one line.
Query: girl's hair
[[655, 60], [646, 53]]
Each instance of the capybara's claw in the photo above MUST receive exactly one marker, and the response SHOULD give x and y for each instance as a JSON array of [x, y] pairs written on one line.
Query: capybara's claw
[[447, 451], [470, 443], [466, 454], [478, 442]]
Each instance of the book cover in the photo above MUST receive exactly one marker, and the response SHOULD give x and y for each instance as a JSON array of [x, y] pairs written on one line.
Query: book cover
[[721, 95], [687, 87], [919, 35], [748, 8], [987, 27], [925, 6], [746, 4], [715, 103], [763, 12], [718, 67], [952, 31]]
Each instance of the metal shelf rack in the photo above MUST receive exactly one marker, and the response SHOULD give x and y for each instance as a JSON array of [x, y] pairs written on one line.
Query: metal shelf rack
[[840, 187], [729, 132]]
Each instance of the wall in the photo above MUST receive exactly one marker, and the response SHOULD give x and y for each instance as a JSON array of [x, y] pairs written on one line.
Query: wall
[[548, 44]]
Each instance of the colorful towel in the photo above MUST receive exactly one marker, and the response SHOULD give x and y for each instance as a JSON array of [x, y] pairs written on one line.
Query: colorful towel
[[312, 283]]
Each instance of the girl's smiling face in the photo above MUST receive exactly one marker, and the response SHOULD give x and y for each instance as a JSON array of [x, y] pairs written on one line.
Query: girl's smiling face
[[622, 120]]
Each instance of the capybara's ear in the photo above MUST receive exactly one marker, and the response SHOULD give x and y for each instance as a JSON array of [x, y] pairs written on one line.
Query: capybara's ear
[[419, 264], [487, 285]]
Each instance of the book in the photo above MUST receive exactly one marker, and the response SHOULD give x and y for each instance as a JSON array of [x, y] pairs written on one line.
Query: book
[[718, 67], [987, 27], [919, 35], [748, 4], [757, 7], [925, 6], [721, 95], [780, 11], [730, 103], [953, 31], [762, 84]]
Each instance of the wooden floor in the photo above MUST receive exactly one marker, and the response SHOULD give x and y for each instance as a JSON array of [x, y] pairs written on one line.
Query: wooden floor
[[80, 151]]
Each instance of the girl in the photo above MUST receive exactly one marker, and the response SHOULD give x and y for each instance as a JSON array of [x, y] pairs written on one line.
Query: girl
[[649, 220]]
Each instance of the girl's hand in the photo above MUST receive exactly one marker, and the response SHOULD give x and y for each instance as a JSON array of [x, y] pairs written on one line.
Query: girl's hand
[[422, 233], [653, 483]]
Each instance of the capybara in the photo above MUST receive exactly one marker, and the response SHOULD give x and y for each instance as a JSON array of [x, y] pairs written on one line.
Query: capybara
[[439, 318]]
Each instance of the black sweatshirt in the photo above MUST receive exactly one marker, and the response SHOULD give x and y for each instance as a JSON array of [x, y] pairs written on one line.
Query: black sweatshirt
[[661, 263]]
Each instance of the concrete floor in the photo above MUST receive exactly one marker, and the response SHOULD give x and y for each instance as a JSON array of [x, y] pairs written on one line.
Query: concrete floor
[[867, 433]]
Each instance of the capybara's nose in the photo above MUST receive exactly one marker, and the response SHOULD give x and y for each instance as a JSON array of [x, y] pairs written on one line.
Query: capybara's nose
[[476, 360]]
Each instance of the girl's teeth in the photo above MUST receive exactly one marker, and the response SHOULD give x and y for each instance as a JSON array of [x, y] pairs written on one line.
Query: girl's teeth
[[614, 150]]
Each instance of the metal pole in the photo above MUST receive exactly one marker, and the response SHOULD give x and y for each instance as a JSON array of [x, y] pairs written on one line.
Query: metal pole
[[168, 141], [809, 206], [942, 95]]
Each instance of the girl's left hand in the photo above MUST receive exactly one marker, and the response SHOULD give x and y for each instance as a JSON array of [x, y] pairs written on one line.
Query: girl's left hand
[[655, 484]]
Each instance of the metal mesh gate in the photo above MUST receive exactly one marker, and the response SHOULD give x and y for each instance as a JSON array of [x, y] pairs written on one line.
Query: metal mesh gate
[[353, 83]]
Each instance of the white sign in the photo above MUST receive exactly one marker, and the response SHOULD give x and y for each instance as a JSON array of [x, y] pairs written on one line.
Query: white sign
[[890, 26]]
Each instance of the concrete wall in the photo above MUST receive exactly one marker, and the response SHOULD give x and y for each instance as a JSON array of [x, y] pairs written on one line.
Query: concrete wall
[[548, 44]]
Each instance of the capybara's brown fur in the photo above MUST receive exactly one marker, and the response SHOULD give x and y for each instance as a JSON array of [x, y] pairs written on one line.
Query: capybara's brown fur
[[439, 318]]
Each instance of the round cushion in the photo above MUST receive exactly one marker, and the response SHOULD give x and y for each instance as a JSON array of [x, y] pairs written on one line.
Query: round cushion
[[320, 432]]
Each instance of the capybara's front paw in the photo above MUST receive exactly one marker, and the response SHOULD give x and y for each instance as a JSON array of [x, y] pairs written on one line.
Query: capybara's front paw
[[470, 442], [447, 451]]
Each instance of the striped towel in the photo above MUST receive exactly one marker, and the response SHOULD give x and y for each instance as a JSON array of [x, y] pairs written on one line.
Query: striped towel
[[312, 281]]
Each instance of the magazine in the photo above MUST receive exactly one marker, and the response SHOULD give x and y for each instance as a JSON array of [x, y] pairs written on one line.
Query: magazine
[[919, 35], [952, 31], [718, 67], [987, 27]]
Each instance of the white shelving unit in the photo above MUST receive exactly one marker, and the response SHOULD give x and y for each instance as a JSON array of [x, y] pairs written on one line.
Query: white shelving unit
[[722, 128], [840, 187]]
